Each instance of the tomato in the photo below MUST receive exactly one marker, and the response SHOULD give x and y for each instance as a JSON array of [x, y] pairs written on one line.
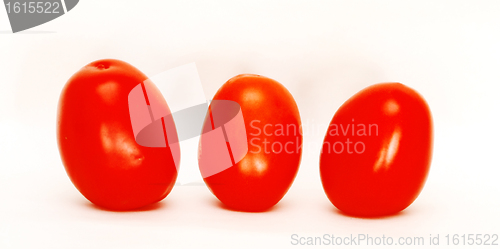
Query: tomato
[[116, 138], [377, 151], [249, 160]]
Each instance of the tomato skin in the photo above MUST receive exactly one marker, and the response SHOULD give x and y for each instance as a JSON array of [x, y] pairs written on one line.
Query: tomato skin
[[97, 144], [261, 178], [390, 173]]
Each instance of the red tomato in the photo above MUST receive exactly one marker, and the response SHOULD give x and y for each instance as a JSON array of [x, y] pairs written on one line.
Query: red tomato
[[97, 140], [377, 151], [270, 139]]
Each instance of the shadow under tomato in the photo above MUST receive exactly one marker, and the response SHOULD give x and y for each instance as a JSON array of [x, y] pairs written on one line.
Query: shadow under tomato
[[150, 207], [221, 205], [382, 217]]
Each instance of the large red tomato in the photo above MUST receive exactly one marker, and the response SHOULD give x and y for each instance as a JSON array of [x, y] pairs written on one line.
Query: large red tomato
[[251, 146], [377, 151], [116, 137]]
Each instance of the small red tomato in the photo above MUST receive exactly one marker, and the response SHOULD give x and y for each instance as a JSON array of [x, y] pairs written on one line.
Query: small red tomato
[[251, 145], [116, 137], [377, 151]]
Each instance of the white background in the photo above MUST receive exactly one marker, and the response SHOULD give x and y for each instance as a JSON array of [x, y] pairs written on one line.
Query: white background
[[322, 51]]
